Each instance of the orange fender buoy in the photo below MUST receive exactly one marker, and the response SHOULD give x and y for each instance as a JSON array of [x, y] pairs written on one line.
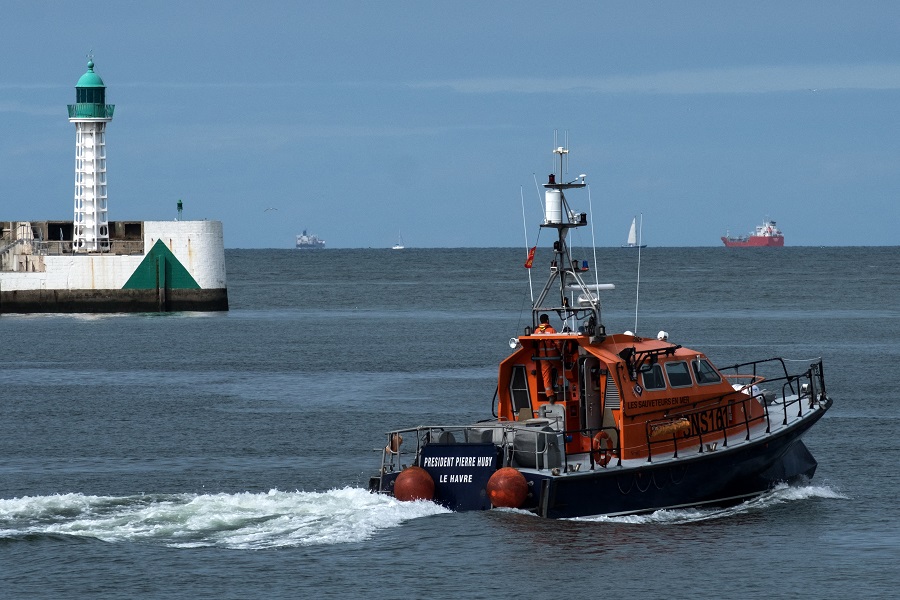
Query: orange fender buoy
[[507, 488], [601, 455], [414, 483]]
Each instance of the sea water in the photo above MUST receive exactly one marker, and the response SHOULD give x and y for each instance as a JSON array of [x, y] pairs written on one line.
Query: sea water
[[226, 455]]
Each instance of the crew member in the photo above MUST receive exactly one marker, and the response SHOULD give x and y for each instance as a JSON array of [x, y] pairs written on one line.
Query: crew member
[[549, 350]]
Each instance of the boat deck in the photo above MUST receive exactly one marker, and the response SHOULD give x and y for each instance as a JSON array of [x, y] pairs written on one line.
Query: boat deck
[[536, 445]]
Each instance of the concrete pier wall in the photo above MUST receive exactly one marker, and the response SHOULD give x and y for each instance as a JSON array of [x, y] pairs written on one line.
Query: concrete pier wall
[[182, 267], [112, 301]]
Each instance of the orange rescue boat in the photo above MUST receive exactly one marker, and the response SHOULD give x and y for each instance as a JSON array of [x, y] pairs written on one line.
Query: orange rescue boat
[[591, 423]]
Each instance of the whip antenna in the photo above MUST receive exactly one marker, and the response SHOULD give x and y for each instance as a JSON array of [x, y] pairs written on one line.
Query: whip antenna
[[537, 188], [637, 287], [594, 242]]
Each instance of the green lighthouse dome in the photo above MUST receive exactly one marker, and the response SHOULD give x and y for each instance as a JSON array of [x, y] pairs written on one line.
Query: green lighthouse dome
[[90, 98], [90, 79]]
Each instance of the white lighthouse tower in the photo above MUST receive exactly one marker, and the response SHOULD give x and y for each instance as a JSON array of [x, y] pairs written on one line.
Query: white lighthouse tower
[[90, 113]]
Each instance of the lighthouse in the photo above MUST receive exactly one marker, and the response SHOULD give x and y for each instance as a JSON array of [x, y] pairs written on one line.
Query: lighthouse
[[90, 113]]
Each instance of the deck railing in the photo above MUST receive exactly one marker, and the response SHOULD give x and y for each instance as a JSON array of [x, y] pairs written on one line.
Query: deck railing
[[64, 248], [796, 390], [541, 450]]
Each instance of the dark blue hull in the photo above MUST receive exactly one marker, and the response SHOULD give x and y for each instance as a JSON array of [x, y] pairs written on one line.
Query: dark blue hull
[[717, 478]]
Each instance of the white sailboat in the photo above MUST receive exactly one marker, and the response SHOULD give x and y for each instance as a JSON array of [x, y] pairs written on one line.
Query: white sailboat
[[399, 245], [633, 241]]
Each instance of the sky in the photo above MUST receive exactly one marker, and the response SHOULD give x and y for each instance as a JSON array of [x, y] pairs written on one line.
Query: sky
[[362, 121]]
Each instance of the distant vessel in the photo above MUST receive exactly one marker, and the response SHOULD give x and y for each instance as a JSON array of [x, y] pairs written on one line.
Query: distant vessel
[[309, 241], [632, 241], [399, 245], [766, 235]]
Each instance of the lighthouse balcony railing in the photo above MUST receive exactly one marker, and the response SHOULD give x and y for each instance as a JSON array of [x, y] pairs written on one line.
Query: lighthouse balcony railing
[[85, 110]]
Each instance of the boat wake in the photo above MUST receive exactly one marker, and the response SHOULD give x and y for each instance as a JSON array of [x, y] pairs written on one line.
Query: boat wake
[[780, 494], [238, 521], [276, 519]]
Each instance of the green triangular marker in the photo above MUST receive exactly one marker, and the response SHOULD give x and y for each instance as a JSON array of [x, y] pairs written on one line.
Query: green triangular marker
[[173, 277]]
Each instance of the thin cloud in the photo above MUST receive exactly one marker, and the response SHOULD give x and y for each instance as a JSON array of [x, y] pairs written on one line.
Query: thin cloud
[[29, 109], [741, 80]]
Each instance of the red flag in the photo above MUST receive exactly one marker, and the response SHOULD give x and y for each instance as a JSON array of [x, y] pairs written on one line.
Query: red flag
[[530, 259]]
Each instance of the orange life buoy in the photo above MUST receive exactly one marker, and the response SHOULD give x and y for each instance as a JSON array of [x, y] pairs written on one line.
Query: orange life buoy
[[601, 455]]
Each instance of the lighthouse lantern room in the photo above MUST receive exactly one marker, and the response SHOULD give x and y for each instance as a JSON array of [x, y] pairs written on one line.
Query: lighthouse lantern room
[[90, 113]]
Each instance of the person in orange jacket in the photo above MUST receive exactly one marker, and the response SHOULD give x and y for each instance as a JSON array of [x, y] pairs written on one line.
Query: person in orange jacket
[[548, 350]]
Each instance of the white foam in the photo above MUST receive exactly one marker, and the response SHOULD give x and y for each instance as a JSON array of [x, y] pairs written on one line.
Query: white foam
[[242, 520], [780, 494]]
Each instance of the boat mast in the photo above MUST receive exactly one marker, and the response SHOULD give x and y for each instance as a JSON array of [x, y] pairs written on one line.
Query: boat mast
[[565, 292]]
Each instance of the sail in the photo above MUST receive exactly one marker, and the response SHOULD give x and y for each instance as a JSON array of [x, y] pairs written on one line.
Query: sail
[[632, 234], [399, 245]]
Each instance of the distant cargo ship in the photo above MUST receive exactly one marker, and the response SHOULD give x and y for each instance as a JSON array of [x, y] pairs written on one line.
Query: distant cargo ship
[[309, 241], [765, 235]]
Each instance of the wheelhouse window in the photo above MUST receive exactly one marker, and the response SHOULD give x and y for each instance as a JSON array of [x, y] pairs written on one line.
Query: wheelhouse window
[[653, 378], [705, 373], [518, 389], [678, 374]]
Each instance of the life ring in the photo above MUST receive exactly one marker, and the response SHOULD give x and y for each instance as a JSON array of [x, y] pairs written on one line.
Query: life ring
[[601, 455]]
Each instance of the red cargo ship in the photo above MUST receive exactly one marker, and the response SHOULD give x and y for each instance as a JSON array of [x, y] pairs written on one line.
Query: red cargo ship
[[765, 235]]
